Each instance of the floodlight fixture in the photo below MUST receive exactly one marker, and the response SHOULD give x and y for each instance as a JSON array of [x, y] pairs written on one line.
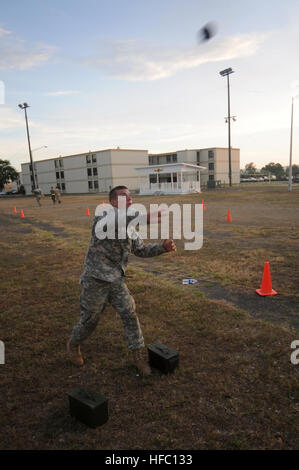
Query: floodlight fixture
[[225, 72]]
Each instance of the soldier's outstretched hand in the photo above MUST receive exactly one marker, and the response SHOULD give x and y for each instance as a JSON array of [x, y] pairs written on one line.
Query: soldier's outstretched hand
[[169, 245]]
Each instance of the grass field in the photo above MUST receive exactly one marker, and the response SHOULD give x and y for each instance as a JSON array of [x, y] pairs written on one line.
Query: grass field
[[235, 387]]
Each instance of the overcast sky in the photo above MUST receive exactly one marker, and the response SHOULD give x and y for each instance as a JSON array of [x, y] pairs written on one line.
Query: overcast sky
[[131, 73]]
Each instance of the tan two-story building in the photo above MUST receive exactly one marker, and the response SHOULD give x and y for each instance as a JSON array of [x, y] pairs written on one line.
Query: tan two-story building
[[99, 171]]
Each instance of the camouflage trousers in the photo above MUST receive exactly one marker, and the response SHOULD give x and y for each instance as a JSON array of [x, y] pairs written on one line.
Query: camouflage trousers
[[94, 297]]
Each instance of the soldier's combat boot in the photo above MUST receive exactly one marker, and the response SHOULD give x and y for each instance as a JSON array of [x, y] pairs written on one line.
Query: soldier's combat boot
[[141, 365], [74, 354]]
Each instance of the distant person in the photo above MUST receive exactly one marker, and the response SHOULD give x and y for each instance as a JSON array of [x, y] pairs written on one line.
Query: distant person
[[103, 281], [53, 194], [58, 194], [37, 192]]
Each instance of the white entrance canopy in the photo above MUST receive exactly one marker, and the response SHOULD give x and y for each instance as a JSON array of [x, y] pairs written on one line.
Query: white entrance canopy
[[173, 171]]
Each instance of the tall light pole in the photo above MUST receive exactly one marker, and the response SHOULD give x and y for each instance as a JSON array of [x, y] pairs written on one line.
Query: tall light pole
[[291, 145], [226, 73], [25, 106]]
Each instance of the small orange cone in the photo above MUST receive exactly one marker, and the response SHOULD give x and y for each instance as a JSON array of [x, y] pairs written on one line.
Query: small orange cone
[[203, 205], [103, 204], [229, 217], [87, 211], [266, 286], [15, 210], [22, 214]]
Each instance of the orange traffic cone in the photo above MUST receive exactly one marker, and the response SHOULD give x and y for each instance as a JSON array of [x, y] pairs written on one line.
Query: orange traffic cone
[[103, 204], [22, 214], [15, 210], [229, 217], [87, 211], [266, 286], [203, 205]]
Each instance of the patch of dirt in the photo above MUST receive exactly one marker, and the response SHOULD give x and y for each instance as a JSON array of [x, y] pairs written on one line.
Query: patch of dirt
[[10, 221], [277, 309]]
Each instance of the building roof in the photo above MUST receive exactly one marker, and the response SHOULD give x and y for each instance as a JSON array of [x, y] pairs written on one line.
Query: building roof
[[184, 150], [87, 153], [168, 166]]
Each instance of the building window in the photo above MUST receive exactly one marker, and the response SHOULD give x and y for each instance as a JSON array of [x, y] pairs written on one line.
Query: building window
[[94, 158], [62, 175], [211, 166], [88, 160], [57, 175], [88, 171], [168, 158], [211, 154], [211, 177], [198, 157], [58, 185], [63, 186], [61, 163], [56, 163], [174, 157], [150, 160], [95, 171], [89, 184], [96, 184]]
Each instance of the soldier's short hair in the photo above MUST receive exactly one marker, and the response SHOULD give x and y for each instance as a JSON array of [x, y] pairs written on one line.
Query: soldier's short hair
[[113, 192]]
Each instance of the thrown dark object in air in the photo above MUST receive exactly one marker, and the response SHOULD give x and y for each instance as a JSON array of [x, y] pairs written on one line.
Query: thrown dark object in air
[[207, 32]]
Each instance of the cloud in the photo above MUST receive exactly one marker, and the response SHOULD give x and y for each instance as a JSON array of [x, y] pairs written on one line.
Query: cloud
[[135, 61], [15, 53], [3, 32], [62, 93], [11, 119]]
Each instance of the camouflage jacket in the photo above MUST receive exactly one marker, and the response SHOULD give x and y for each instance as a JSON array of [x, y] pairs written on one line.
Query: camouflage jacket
[[37, 192], [107, 259]]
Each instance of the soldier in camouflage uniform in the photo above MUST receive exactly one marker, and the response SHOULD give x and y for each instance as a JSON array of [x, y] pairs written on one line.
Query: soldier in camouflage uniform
[[103, 281], [38, 194]]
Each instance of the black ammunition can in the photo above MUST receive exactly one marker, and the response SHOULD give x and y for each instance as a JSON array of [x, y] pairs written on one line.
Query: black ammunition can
[[89, 407], [163, 358]]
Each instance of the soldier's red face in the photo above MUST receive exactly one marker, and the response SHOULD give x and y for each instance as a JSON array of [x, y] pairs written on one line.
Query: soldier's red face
[[124, 193]]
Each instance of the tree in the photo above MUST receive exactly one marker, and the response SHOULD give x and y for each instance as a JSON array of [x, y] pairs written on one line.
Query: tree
[[295, 170], [7, 173], [250, 169], [274, 169]]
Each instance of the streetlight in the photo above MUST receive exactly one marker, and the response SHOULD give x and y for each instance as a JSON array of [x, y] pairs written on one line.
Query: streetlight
[[25, 106], [226, 73], [291, 145], [38, 148]]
